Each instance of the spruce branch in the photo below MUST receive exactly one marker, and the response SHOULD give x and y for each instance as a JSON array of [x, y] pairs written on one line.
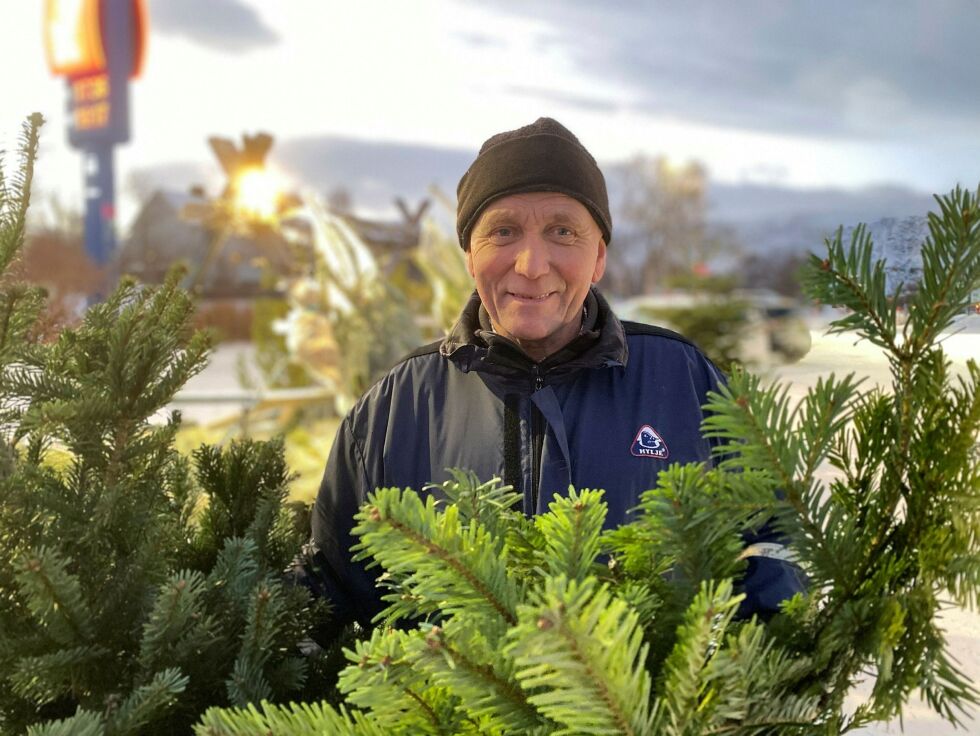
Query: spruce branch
[[15, 197], [264, 621], [83, 723], [235, 574], [384, 680], [950, 269], [54, 596], [494, 505], [571, 529], [45, 678], [902, 531], [295, 719], [146, 703], [434, 556], [579, 652], [757, 430], [460, 658], [847, 278], [177, 626]]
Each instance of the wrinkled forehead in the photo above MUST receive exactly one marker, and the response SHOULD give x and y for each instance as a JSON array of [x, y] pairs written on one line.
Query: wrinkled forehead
[[552, 206]]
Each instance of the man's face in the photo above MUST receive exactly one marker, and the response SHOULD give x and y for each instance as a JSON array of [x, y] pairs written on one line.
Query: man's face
[[533, 257]]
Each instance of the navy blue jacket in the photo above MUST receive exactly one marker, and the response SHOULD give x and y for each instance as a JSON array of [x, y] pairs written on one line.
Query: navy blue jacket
[[610, 411]]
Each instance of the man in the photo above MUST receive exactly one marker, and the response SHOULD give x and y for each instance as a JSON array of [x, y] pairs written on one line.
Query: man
[[538, 382]]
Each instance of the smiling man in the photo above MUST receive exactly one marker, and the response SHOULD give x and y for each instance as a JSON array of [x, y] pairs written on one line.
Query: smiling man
[[533, 257], [538, 382]]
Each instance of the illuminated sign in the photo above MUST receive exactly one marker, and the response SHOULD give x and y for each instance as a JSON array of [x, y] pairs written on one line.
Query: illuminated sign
[[73, 37], [76, 31], [90, 102], [97, 45]]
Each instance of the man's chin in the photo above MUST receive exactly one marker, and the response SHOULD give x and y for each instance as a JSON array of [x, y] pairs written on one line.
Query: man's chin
[[535, 339], [524, 333]]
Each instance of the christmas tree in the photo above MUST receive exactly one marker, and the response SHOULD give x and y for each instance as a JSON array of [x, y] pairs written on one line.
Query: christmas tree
[[136, 587], [500, 624]]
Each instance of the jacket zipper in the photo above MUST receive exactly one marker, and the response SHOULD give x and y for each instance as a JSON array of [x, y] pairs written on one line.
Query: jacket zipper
[[537, 443]]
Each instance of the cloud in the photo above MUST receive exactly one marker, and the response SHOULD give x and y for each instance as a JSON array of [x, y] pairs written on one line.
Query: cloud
[[837, 68], [584, 102], [225, 25]]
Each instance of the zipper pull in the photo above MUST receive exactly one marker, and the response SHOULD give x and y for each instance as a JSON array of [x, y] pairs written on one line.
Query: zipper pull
[[538, 379]]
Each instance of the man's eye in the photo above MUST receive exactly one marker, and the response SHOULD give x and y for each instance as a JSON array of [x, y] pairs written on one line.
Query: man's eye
[[502, 233], [565, 233]]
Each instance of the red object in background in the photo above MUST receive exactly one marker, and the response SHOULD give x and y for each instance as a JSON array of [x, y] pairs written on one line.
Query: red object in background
[[107, 211], [701, 269], [74, 37]]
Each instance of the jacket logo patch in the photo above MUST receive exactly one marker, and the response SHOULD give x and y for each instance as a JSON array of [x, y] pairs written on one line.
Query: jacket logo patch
[[649, 443]]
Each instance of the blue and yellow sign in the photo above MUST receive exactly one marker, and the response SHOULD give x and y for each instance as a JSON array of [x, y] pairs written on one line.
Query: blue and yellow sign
[[98, 45]]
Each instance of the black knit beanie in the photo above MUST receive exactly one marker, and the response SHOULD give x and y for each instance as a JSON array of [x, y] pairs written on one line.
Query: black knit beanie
[[541, 157]]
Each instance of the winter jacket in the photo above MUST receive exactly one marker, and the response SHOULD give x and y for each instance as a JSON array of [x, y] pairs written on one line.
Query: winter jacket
[[611, 410]]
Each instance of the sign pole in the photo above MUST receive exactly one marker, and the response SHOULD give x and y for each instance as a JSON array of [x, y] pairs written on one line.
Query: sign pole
[[100, 198]]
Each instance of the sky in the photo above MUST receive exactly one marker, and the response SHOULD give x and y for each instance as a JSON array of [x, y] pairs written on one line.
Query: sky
[[805, 94]]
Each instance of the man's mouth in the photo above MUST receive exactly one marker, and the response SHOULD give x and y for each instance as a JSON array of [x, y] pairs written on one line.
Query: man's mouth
[[531, 297]]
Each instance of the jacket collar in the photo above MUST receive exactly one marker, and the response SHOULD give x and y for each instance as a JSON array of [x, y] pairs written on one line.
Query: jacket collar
[[473, 348]]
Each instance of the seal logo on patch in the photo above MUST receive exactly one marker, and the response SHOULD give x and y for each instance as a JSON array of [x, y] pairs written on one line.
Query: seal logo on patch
[[649, 443]]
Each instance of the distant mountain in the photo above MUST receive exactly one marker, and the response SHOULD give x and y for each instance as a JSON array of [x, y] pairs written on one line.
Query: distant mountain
[[764, 218], [768, 218], [898, 241]]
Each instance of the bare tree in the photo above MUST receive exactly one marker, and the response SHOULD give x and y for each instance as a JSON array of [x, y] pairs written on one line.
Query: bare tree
[[662, 223]]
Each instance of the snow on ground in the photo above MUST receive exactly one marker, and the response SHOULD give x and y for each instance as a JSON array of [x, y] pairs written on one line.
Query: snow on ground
[[841, 355]]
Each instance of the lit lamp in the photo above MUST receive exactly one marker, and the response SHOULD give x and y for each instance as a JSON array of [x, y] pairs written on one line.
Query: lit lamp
[[98, 46]]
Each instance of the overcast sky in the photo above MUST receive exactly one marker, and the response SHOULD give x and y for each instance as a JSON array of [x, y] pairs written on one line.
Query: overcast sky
[[799, 93]]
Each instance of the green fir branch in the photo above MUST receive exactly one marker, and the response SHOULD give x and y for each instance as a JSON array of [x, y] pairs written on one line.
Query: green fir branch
[[579, 653], [689, 688], [83, 723], [234, 575], [847, 278], [950, 269], [263, 626], [295, 719], [494, 505], [571, 529], [246, 684], [54, 596], [147, 702], [177, 626], [15, 195], [435, 556], [46, 677], [385, 681], [461, 659]]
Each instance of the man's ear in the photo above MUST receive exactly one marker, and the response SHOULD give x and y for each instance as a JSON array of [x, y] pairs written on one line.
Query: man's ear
[[469, 262], [600, 262]]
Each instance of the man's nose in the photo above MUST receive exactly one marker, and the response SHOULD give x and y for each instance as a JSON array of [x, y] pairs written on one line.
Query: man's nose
[[532, 258]]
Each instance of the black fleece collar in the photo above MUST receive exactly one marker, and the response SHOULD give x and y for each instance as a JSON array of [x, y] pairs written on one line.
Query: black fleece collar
[[601, 343]]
